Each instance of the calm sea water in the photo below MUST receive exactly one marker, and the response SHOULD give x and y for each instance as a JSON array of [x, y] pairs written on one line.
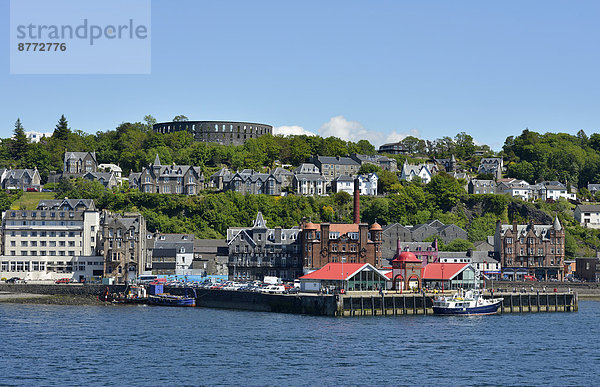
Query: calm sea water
[[140, 345]]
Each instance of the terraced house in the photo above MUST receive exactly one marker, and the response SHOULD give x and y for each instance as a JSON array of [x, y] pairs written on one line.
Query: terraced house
[[258, 251], [171, 179], [332, 167], [531, 249], [123, 244]]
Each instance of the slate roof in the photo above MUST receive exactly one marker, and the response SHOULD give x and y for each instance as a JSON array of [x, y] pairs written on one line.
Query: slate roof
[[87, 204]]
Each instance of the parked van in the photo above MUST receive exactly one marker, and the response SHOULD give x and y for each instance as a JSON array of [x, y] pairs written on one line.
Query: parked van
[[274, 289]]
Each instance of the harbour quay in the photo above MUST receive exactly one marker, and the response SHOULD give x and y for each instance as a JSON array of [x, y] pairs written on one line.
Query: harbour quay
[[349, 304], [357, 304]]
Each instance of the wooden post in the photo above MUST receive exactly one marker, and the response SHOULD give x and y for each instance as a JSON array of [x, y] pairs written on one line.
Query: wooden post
[[424, 304], [351, 308], [511, 303], [556, 302], [383, 305], [520, 303], [547, 302], [414, 303], [529, 301], [372, 306], [394, 304], [403, 304], [362, 306]]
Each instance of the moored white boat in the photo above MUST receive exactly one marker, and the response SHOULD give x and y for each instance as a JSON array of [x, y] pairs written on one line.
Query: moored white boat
[[470, 302], [466, 303]]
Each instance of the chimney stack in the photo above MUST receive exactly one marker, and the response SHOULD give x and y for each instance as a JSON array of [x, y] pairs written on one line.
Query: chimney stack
[[356, 201]]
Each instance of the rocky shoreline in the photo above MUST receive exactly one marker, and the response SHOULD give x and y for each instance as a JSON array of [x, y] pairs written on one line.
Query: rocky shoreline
[[49, 299]]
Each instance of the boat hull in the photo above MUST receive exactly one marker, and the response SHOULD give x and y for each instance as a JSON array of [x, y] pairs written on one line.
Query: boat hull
[[171, 301], [478, 310]]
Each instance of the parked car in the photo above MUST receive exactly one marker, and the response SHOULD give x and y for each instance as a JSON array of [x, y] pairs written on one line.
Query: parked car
[[14, 280], [63, 281], [32, 189]]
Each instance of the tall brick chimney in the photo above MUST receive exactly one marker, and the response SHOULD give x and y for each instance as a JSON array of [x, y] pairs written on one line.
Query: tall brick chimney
[[356, 201]]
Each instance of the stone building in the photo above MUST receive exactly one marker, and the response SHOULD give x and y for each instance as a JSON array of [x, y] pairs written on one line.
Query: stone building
[[448, 164], [418, 233], [221, 132], [123, 244], [383, 162], [531, 249], [332, 167], [171, 179], [330, 242], [491, 165], [211, 255], [173, 254], [22, 179], [78, 163], [258, 251], [480, 186]]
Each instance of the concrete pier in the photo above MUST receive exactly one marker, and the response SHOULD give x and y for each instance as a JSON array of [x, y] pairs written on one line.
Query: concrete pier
[[422, 304]]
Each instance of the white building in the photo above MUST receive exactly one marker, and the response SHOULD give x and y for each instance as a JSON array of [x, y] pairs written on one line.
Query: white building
[[367, 184], [588, 215], [53, 241], [33, 136], [515, 188], [112, 168], [423, 171], [552, 190]]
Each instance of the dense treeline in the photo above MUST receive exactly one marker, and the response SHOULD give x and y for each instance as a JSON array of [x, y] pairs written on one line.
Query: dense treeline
[[574, 160], [134, 145]]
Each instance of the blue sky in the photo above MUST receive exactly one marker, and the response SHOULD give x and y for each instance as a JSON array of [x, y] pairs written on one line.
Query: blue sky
[[378, 70]]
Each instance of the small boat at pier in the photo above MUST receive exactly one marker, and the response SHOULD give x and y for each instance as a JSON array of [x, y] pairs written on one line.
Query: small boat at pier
[[470, 302], [165, 299]]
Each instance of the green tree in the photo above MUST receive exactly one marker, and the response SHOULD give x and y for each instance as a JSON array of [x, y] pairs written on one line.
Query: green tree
[[62, 131], [19, 144], [365, 147], [458, 245], [150, 122], [180, 118], [386, 181], [367, 168], [444, 191]]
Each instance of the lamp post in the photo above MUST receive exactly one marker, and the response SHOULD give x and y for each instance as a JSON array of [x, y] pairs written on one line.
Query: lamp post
[[343, 277], [442, 267]]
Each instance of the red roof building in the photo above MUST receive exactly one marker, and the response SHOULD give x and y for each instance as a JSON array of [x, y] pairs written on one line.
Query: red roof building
[[453, 275], [349, 276], [406, 271]]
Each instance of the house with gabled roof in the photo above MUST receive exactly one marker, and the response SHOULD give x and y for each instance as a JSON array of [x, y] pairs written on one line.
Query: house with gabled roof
[[422, 171], [21, 179], [77, 163], [107, 179], [259, 251], [171, 179]]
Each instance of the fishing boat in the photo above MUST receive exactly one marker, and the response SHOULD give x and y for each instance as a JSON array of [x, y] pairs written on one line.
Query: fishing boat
[[165, 299], [470, 302]]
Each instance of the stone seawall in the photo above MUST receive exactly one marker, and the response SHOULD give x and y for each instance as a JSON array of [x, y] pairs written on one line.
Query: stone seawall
[[279, 303], [52, 289]]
